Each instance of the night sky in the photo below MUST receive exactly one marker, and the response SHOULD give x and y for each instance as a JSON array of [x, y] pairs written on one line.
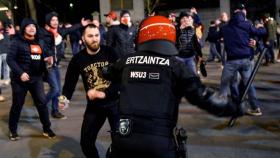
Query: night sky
[[84, 8], [81, 8]]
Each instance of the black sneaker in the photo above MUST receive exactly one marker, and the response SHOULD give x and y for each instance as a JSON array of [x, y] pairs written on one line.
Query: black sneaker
[[254, 112], [49, 134], [14, 136], [203, 69], [59, 115]]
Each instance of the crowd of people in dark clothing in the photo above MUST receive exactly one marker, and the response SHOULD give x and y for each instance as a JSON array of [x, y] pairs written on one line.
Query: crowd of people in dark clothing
[[31, 56]]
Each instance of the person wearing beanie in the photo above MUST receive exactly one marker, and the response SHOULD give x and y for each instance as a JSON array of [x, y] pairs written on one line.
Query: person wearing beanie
[[187, 42], [152, 83], [122, 37], [52, 36], [26, 59]]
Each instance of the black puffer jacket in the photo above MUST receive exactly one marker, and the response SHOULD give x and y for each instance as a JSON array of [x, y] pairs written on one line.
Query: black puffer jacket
[[19, 56], [4, 43], [187, 42], [122, 39]]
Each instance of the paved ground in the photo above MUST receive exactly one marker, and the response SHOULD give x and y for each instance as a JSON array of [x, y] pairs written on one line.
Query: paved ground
[[253, 137]]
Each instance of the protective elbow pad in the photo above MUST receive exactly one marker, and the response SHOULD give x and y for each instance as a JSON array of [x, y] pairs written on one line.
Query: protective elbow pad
[[221, 106]]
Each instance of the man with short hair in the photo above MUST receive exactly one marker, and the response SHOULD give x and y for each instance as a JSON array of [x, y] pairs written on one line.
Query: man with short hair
[[101, 94]]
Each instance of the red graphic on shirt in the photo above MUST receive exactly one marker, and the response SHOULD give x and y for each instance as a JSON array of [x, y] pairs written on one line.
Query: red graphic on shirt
[[35, 49]]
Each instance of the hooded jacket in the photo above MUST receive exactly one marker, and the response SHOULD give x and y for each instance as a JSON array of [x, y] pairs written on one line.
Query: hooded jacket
[[237, 34], [22, 57]]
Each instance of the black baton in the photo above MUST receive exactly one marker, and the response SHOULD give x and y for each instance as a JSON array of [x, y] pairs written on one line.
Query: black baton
[[232, 121]]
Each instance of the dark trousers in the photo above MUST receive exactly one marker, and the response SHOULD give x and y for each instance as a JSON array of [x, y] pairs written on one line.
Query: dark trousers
[[19, 91], [269, 56], [94, 119], [140, 145]]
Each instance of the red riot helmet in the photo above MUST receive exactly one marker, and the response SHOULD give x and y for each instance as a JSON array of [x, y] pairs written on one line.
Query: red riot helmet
[[156, 28]]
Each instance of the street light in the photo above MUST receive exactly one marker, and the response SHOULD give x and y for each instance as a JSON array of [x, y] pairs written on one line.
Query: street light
[[71, 5], [15, 4]]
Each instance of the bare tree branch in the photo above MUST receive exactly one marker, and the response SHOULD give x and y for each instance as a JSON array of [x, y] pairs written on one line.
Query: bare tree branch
[[6, 3]]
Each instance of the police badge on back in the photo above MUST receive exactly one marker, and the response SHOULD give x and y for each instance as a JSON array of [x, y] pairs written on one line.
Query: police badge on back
[[125, 127]]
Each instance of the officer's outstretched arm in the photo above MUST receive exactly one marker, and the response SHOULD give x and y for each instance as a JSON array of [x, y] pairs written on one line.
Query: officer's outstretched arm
[[113, 72], [206, 98]]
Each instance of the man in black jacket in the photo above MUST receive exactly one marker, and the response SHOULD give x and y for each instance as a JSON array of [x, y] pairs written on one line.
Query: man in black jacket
[[26, 60], [152, 84], [88, 63], [52, 36], [122, 37]]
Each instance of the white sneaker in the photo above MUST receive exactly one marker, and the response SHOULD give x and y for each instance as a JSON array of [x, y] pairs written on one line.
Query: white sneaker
[[254, 112]]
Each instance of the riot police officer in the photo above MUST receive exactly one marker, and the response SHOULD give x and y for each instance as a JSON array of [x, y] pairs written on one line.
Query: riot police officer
[[152, 84]]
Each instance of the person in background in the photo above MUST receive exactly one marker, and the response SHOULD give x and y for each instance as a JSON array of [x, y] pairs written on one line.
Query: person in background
[[122, 37], [212, 38], [172, 18], [26, 59], [220, 46], [5, 40], [111, 19], [102, 31], [52, 35], [271, 26], [197, 23], [187, 42]]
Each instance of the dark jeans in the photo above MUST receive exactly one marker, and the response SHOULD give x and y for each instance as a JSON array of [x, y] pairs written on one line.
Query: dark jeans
[[223, 54], [53, 80], [269, 56], [140, 145], [190, 63], [94, 119], [75, 47], [213, 52], [19, 91], [229, 76]]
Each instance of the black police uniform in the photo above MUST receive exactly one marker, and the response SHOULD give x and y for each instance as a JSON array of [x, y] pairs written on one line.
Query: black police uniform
[[152, 84]]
